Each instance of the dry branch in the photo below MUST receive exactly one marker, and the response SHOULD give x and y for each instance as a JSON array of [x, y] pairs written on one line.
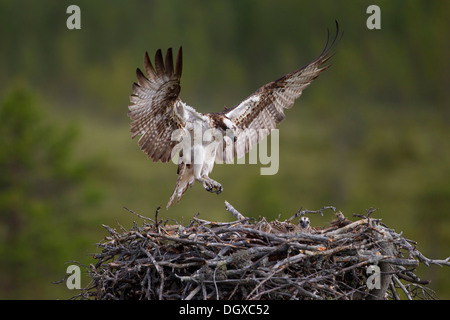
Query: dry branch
[[256, 259]]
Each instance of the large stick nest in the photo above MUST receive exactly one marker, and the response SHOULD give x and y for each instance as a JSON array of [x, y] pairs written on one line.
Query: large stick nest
[[257, 259]]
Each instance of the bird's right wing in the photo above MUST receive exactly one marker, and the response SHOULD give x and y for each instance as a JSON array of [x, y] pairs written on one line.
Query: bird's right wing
[[155, 108]]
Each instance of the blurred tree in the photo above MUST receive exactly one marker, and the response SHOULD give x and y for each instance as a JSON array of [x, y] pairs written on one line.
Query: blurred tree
[[39, 184]]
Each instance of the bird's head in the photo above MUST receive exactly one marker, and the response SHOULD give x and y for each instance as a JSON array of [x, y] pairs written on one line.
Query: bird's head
[[304, 222], [231, 129]]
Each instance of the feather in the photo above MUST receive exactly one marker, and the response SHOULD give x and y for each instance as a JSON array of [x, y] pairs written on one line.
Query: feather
[[151, 74], [159, 64], [169, 62], [179, 63]]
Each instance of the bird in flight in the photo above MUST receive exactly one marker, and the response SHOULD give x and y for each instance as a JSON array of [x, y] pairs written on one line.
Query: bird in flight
[[169, 128]]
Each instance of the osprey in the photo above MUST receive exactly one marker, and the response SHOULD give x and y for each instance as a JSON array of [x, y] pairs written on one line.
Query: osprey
[[168, 127], [304, 224]]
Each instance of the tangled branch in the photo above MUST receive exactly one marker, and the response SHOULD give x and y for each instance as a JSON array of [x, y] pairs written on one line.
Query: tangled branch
[[253, 260]]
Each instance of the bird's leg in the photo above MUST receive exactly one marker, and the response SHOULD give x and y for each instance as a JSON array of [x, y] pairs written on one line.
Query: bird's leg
[[211, 185]]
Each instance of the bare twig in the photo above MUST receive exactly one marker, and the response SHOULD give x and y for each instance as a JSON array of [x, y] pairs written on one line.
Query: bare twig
[[301, 212], [137, 214], [234, 212]]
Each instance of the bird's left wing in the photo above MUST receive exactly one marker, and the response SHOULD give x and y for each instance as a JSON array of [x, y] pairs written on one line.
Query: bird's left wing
[[257, 115]]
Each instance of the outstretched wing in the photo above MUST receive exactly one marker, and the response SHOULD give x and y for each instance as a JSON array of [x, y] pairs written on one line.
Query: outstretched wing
[[154, 105], [257, 115]]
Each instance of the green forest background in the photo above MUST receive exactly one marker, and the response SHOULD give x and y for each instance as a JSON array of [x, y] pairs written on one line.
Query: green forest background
[[372, 131]]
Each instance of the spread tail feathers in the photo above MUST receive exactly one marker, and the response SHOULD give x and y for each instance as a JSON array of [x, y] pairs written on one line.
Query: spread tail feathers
[[183, 182]]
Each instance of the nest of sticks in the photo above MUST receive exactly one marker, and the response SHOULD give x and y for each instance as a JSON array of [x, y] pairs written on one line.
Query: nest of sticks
[[256, 259]]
